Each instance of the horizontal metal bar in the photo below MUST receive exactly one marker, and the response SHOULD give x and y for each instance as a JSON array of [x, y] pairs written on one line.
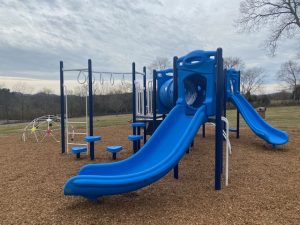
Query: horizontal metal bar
[[74, 122], [77, 133], [70, 143], [72, 70]]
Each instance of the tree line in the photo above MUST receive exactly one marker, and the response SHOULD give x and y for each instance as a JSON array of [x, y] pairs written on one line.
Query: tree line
[[17, 106]]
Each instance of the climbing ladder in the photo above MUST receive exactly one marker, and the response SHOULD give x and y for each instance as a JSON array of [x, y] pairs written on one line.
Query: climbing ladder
[[71, 124]]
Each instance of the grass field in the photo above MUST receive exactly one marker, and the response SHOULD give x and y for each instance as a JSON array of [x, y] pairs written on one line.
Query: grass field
[[287, 117]]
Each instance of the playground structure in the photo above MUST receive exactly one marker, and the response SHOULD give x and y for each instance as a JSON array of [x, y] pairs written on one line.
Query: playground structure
[[184, 98], [87, 78], [42, 127]]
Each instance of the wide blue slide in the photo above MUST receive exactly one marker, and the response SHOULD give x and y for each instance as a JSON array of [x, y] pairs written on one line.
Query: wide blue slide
[[259, 126], [157, 157]]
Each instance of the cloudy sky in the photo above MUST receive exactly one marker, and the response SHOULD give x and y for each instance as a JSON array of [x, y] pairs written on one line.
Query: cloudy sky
[[36, 35]]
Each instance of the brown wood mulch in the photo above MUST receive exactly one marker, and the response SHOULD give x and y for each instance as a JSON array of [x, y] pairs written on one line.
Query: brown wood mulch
[[264, 185]]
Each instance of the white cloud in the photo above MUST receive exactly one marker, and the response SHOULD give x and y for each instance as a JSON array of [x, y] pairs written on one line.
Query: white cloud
[[35, 35]]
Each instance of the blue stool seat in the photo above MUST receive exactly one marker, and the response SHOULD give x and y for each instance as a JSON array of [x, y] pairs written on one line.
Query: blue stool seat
[[138, 124], [135, 137], [114, 149], [76, 150], [92, 138]]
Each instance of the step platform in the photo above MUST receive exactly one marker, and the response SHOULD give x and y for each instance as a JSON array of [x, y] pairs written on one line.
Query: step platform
[[138, 124], [135, 137], [92, 138], [114, 150], [78, 149]]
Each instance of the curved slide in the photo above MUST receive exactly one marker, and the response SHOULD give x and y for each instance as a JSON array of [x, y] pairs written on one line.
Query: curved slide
[[259, 126], [157, 157]]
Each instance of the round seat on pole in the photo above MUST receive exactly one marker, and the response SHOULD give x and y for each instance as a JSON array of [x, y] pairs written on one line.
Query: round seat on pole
[[135, 137], [114, 150], [92, 138], [138, 124], [78, 149]]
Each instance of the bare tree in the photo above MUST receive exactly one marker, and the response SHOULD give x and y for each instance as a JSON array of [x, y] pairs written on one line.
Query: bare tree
[[160, 63], [251, 80], [46, 91], [281, 16], [21, 88], [234, 62], [289, 73]]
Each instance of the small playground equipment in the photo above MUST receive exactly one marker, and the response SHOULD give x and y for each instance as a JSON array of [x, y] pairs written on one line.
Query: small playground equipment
[[41, 128]]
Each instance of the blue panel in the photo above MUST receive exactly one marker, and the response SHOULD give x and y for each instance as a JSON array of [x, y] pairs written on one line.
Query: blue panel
[[165, 91], [197, 80]]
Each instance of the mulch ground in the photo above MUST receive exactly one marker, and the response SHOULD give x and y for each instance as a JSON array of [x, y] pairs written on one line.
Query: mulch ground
[[264, 185]]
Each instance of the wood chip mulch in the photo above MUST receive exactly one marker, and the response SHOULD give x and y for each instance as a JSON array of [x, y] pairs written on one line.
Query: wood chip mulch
[[264, 185]]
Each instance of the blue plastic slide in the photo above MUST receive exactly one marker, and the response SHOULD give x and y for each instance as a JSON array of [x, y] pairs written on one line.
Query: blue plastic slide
[[259, 126], [159, 155]]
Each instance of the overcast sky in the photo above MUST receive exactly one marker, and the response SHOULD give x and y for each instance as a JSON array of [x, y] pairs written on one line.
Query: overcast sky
[[36, 35]]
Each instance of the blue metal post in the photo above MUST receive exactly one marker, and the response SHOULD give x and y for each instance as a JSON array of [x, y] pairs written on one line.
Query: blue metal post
[[219, 128], [176, 171], [225, 96], [237, 111], [175, 97], [175, 82], [62, 107], [154, 99], [145, 97], [91, 123], [133, 106]]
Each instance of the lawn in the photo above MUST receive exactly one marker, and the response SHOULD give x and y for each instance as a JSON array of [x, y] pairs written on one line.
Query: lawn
[[287, 117]]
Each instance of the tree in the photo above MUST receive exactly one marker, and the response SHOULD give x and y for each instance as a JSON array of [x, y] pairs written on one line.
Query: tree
[[160, 63], [21, 88], [281, 16], [296, 93], [251, 80], [289, 73], [5, 97], [233, 62]]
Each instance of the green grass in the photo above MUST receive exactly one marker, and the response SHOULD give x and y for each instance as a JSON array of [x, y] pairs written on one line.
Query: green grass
[[11, 129], [284, 117], [281, 117]]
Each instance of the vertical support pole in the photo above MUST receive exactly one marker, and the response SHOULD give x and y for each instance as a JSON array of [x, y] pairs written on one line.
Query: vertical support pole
[[176, 171], [134, 145], [203, 130], [62, 107], [237, 111], [219, 128], [154, 99], [175, 97], [175, 80], [133, 94], [91, 123], [225, 96], [145, 97]]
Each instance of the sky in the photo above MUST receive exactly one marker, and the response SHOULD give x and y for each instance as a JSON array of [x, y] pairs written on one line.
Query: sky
[[36, 35]]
